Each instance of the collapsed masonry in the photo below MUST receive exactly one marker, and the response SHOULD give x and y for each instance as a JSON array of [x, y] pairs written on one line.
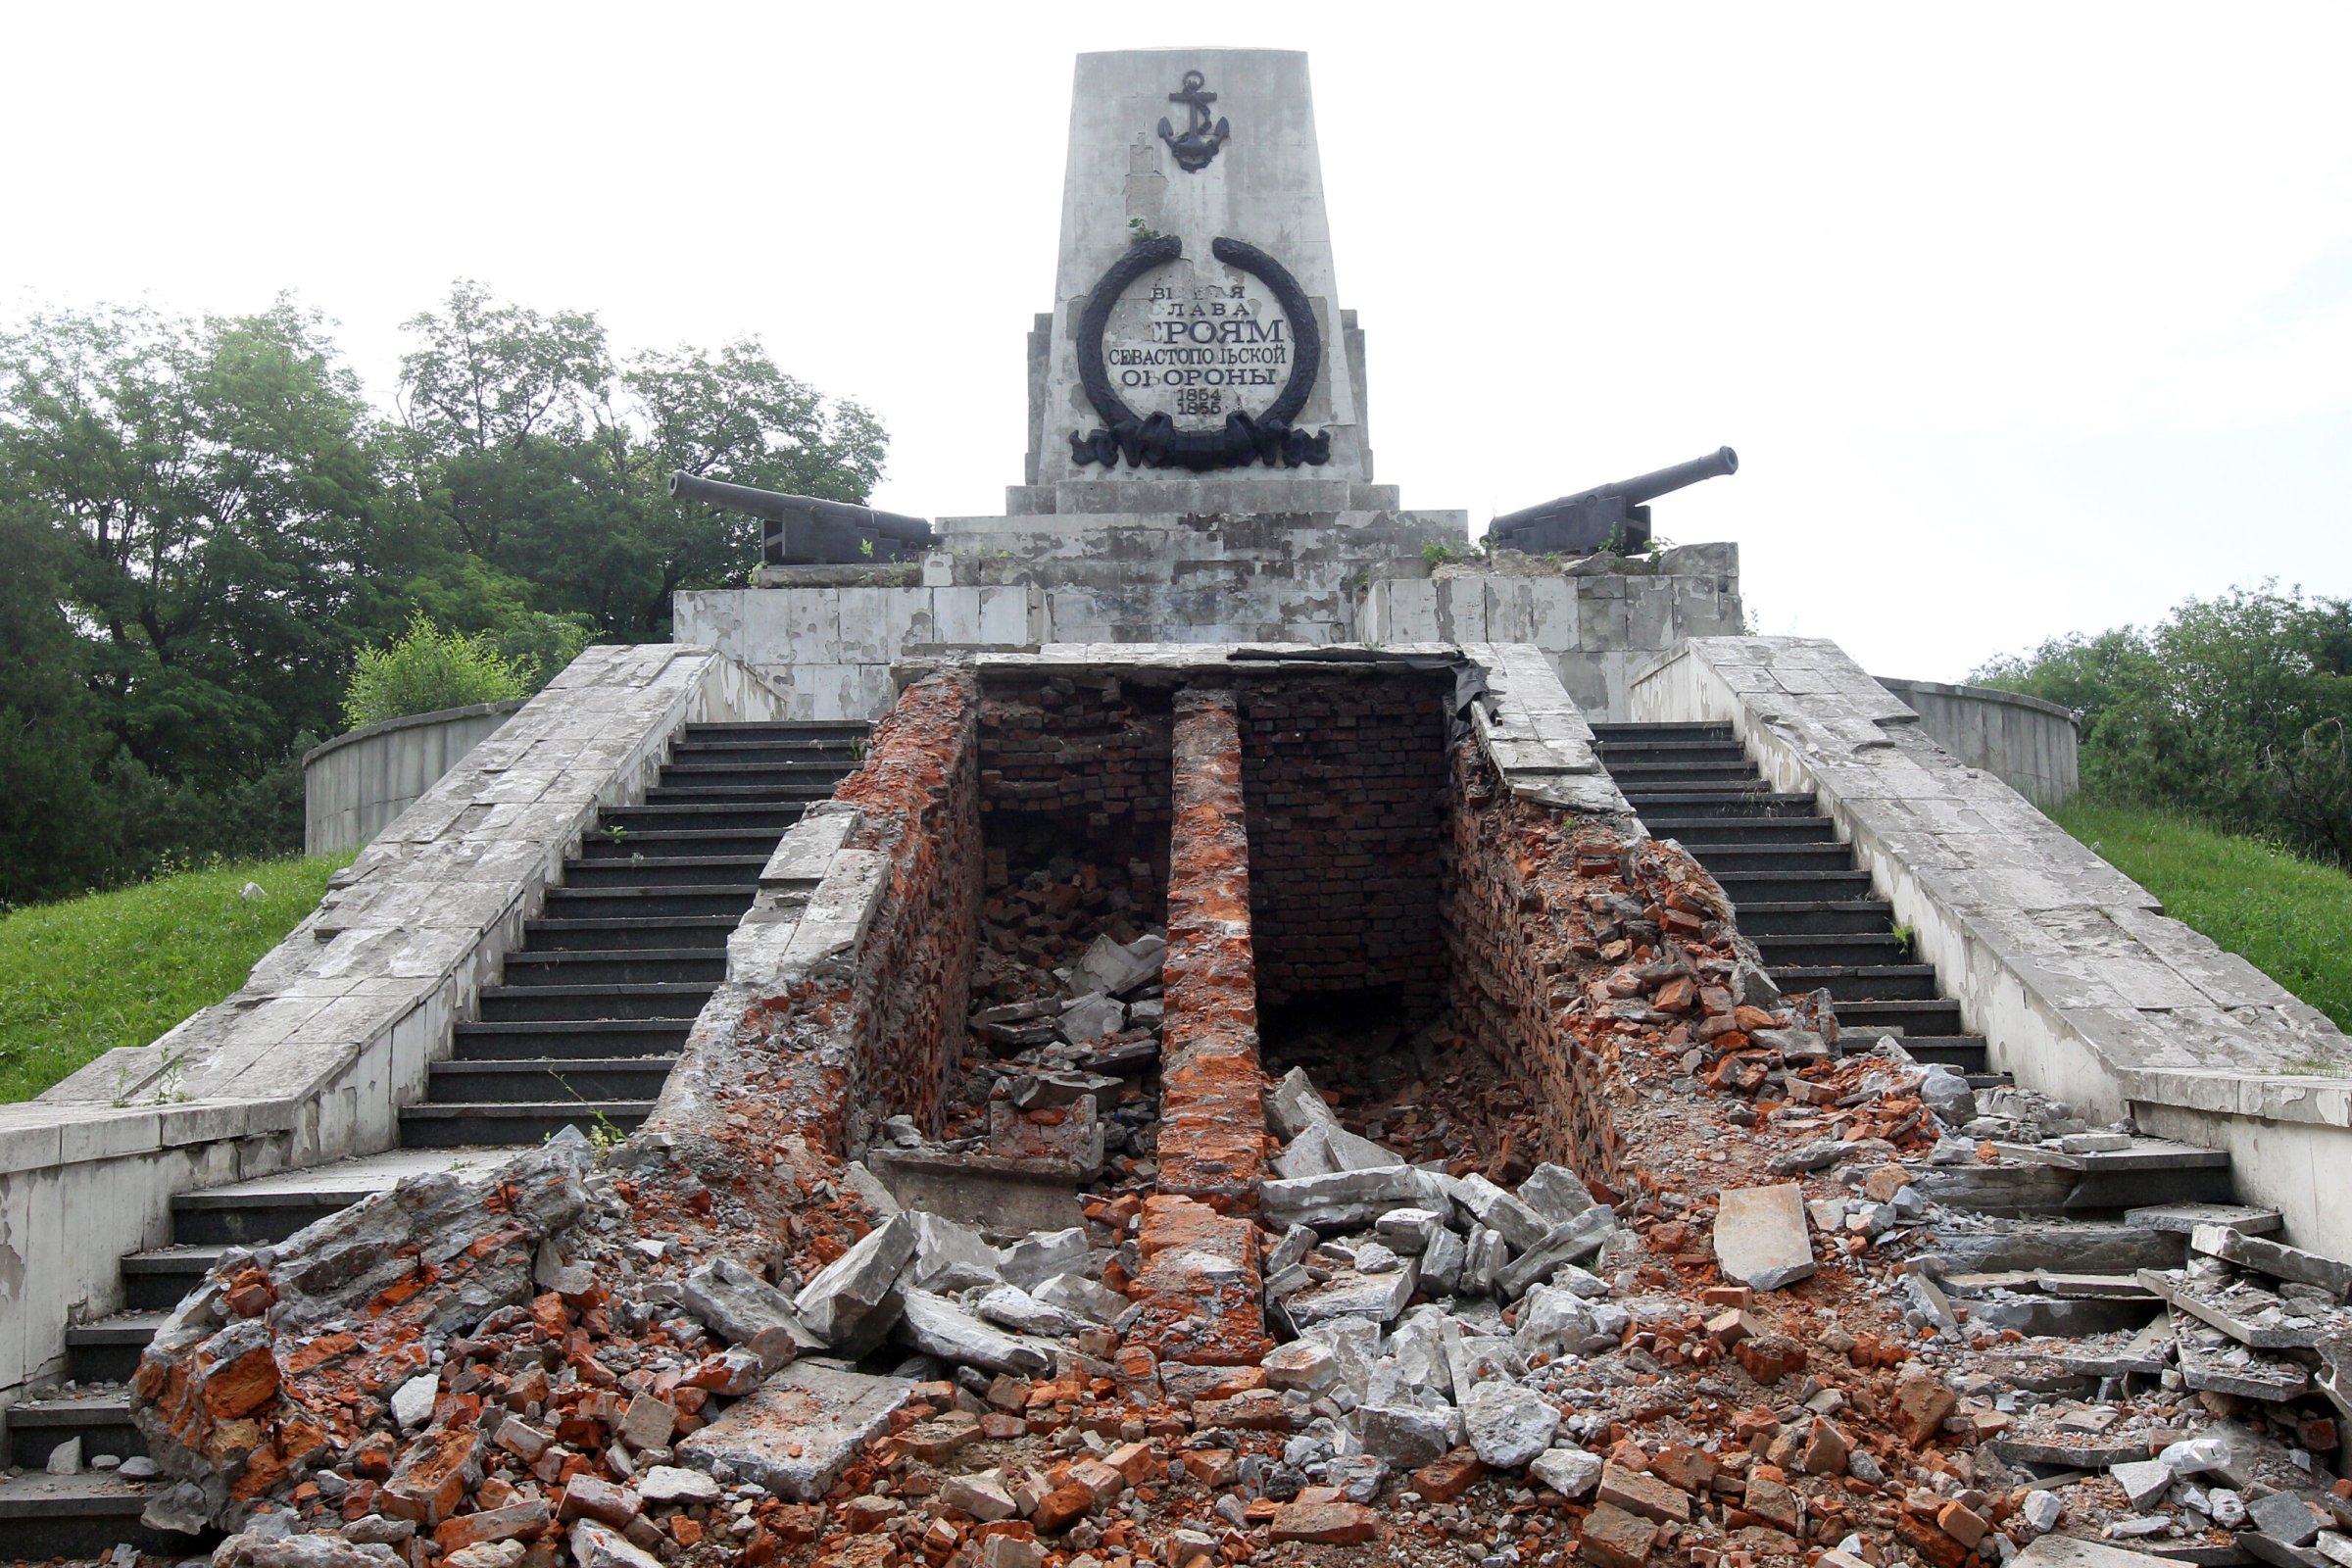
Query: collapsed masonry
[[973, 1228]]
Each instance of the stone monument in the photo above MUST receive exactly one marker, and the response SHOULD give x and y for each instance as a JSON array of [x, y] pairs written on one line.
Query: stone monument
[[1200, 454]]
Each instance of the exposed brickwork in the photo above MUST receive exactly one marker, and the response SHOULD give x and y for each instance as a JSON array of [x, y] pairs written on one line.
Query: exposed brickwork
[[1347, 783], [1068, 766], [1213, 1118], [1528, 916], [919, 793]]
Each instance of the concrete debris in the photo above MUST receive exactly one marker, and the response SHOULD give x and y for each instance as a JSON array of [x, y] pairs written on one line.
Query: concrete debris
[[1760, 1236]]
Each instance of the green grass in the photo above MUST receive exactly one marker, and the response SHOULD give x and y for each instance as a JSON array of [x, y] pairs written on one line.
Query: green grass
[[2291, 918], [81, 977]]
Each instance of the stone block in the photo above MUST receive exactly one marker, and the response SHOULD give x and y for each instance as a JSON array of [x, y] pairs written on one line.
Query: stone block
[[1498, 1210], [1507, 1424], [796, 1433], [855, 1299], [1407, 1435], [1342, 1200], [1557, 1193], [1569, 1471], [937, 1326], [1761, 1239], [1293, 1107], [738, 1305], [1039, 1256], [1560, 1247]]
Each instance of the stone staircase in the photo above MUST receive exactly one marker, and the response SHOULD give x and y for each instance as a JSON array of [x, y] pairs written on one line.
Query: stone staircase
[[599, 997], [594, 1009], [1808, 906], [1801, 897]]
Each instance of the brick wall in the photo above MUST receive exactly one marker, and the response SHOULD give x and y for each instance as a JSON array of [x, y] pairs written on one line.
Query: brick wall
[[1077, 768], [1347, 785]]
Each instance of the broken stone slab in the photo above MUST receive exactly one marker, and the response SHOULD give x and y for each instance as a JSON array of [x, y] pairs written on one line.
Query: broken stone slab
[[1553, 1322], [2275, 1258], [1307, 1155], [937, 1326], [1353, 1294], [797, 1431], [1010, 1307], [1079, 1297], [1045, 1091], [853, 1301], [1036, 1259], [1297, 1242], [1293, 1107], [412, 1405], [2287, 1517], [2184, 1218], [600, 1546], [2077, 1245], [1090, 1017], [998, 1198], [1442, 1261], [1557, 1193], [1342, 1200], [2066, 1450], [1067, 1135], [948, 1256], [738, 1305], [1571, 1471], [1407, 1435], [2209, 1362], [1560, 1247], [1488, 1205], [1408, 1230], [1509, 1424], [2143, 1480], [1116, 967], [1760, 1236], [675, 1484], [2093, 1287], [2247, 1314], [1485, 1255], [2073, 1551]]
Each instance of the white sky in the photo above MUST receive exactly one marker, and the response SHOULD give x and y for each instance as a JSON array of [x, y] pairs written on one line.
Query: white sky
[[2025, 318]]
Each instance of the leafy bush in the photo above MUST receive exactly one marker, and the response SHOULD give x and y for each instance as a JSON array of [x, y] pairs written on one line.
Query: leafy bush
[[425, 669], [2233, 711]]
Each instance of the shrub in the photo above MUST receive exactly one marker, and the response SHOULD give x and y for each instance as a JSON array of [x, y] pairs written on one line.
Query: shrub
[[426, 668]]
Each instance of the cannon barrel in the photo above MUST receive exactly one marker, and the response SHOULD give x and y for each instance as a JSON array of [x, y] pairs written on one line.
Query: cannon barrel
[[1632, 492], [1649, 486], [777, 507]]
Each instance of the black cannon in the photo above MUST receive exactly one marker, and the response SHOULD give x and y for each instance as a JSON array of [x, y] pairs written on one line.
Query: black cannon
[[805, 532], [1612, 517]]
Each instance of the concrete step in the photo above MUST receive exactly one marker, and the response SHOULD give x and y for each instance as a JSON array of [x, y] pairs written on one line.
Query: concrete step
[[81, 1517], [1716, 803], [480, 1124], [647, 904], [1694, 833], [759, 816], [781, 793], [2151, 1172], [841, 751], [1967, 1053], [664, 843], [608, 934], [1830, 947], [154, 1281], [651, 1000], [526, 1081], [708, 772], [1816, 917], [107, 1351], [615, 967], [665, 871], [272, 1208], [1884, 982], [1681, 775], [101, 1420], [1678, 749], [1913, 1015], [781, 728], [532, 1040], [1793, 887], [1607, 733], [1752, 859]]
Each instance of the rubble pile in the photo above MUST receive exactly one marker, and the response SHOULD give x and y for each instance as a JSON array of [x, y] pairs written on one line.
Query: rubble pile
[[1697, 1276]]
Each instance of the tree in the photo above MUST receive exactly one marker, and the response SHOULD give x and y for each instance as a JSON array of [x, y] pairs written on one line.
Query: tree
[[548, 462], [2235, 709]]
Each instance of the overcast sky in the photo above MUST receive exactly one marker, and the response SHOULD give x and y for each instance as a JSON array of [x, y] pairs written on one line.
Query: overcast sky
[[2025, 318]]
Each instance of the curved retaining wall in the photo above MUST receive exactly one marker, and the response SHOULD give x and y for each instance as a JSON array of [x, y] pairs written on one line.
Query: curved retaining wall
[[356, 783], [2025, 743]]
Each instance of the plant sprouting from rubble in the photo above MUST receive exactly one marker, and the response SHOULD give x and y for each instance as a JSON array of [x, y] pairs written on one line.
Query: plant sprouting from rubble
[[858, 751], [1436, 551]]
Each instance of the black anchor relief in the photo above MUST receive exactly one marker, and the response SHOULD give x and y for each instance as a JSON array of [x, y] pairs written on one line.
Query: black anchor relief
[[1196, 148], [1155, 440]]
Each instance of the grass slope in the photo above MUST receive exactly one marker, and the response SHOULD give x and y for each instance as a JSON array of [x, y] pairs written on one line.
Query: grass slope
[[2291, 918], [84, 976]]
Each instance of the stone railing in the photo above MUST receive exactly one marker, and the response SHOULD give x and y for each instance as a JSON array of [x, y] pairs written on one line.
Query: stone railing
[[312, 1058], [2023, 741], [355, 783], [2080, 985]]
